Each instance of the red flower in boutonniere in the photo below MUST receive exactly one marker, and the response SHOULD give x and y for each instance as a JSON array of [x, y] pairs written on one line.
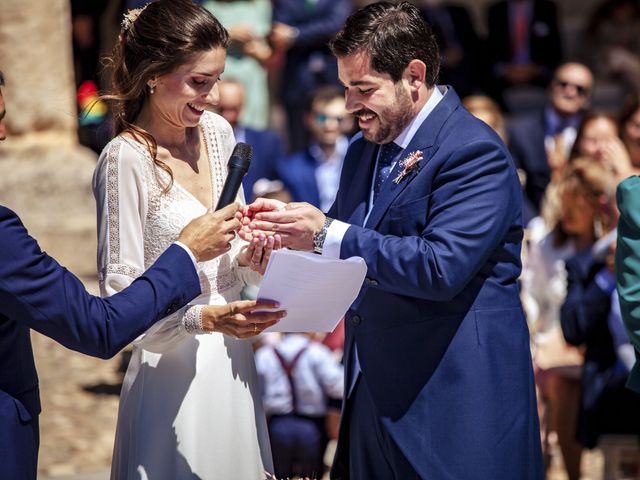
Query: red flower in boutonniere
[[409, 164]]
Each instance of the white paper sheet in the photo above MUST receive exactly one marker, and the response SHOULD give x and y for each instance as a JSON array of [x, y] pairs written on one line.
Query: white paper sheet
[[314, 290]]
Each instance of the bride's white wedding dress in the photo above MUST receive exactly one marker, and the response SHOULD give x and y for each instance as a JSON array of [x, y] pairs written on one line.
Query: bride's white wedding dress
[[190, 405]]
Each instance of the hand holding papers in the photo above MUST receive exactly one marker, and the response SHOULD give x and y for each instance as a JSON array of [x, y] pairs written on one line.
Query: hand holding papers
[[315, 291]]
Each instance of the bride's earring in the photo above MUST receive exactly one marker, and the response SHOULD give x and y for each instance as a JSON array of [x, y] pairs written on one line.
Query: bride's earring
[[152, 89]]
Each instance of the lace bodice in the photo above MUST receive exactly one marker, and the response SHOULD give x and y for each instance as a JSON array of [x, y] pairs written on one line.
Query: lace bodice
[[137, 221]]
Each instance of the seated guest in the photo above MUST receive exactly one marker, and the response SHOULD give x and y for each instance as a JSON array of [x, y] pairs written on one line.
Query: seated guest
[[312, 175], [267, 146], [591, 319], [572, 222], [598, 138], [541, 142]]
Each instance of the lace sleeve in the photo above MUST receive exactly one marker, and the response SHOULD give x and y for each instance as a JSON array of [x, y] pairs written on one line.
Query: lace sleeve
[[121, 200], [122, 196]]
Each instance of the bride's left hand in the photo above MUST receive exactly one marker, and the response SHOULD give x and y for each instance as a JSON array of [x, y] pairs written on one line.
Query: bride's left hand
[[256, 253]]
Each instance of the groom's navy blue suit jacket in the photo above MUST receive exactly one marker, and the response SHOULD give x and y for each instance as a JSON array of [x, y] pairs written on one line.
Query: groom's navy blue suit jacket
[[441, 337], [36, 292]]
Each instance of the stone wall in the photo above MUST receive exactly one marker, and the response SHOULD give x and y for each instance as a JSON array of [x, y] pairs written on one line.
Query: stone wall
[[45, 176], [36, 57]]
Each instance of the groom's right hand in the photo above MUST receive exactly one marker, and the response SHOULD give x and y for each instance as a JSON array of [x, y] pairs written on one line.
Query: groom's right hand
[[210, 235], [296, 223]]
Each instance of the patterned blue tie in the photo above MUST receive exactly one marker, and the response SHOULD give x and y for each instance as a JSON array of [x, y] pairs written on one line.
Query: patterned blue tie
[[388, 152]]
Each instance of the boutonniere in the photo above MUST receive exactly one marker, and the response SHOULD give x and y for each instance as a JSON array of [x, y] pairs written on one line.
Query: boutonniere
[[408, 164]]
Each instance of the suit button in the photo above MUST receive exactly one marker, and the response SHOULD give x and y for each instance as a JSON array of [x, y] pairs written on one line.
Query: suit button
[[374, 282], [356, 320]]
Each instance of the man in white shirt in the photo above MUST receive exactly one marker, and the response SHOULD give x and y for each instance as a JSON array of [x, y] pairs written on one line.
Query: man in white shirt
[[298, 378]]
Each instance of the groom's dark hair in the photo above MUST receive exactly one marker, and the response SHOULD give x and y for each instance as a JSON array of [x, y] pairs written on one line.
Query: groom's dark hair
[[392, 35]]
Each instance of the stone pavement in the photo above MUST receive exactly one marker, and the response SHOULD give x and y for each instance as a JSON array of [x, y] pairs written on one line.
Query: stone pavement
[[79, 408]]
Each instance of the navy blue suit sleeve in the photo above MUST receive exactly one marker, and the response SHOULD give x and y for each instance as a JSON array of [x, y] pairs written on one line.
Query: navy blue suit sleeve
[[475, 200], [38, 292], [585, 305]]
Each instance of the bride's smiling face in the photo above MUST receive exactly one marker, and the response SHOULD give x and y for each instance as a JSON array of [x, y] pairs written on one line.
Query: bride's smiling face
[[182, 96]]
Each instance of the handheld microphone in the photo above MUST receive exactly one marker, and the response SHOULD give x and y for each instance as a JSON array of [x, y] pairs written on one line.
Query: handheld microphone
[[238, 166]]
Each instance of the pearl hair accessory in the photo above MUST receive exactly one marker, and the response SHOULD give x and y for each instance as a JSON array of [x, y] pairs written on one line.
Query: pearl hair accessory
[[131, 16]]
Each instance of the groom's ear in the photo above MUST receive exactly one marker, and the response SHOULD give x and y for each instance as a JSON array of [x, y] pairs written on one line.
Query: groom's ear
[[415, 74]]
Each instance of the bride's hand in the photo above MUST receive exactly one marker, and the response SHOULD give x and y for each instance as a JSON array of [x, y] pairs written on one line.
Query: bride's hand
[[241, 319], [257, 253]]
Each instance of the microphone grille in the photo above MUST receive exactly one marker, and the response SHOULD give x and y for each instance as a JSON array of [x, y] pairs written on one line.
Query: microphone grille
[[243, 150]]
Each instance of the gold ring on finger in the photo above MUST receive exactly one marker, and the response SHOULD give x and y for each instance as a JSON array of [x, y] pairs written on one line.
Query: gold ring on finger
[[255, 328]]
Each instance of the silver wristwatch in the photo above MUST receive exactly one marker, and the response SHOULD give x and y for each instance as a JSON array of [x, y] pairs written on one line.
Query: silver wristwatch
[[318, 237]]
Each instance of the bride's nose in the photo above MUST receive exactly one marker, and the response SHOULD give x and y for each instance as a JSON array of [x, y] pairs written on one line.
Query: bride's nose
[[213, 95]]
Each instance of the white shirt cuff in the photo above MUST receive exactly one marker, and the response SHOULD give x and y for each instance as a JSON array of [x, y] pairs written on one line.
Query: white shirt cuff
[[333, 240], [191, 256]]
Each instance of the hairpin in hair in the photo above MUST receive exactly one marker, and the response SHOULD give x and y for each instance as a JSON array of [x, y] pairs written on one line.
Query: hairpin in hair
[[131, 16]]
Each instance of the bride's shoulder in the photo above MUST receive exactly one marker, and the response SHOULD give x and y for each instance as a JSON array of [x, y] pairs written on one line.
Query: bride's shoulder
[[122, 150]]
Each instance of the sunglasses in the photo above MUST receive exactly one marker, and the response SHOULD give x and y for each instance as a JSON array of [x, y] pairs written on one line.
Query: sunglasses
[[322, 118], [581, 89]]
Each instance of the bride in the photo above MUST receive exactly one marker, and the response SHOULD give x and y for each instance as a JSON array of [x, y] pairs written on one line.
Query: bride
[[190, 403]]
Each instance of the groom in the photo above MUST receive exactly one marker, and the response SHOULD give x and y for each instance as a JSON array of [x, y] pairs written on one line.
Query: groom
[[438, 368]]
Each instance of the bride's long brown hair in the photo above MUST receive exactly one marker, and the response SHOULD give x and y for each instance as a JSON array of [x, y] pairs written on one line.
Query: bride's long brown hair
[[156, 41]]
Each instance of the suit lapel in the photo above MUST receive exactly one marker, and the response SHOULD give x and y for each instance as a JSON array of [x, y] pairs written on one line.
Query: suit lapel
[[358, 187], [423, 141]]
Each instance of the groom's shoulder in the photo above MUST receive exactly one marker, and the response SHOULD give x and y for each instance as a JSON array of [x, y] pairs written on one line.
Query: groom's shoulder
[[357, 138], [463, 128], [356, 144]]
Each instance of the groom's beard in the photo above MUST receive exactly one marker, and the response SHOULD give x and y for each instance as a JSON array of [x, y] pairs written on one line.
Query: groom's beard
[[392, 120]]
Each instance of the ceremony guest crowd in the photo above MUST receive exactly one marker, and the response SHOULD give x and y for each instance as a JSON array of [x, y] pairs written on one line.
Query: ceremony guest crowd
[[270, 71]]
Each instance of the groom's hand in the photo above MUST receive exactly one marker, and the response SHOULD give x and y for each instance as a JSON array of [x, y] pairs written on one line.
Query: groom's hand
[[296, 223], [248, 212]]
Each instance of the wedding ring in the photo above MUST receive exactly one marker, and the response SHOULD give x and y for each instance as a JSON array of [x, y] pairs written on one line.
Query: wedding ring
[[255, 328]]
